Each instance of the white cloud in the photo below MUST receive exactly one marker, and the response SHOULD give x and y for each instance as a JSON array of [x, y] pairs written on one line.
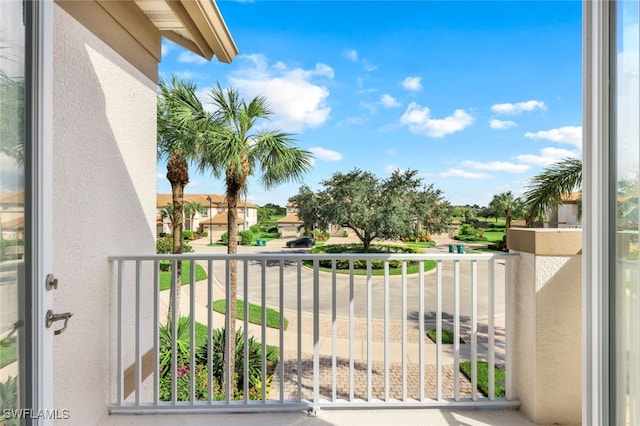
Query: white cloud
[[547, 156], [498, 166], [502, 124], [191, 58], [419, 120], [166, 48], [392, 168], [412, 83], [568, 134], [186, 75], [325, 154], [368, 67], [161, 175], [389, 101], [296, 99], [351, 55], [465, 174], [352, 121], [519, 107]]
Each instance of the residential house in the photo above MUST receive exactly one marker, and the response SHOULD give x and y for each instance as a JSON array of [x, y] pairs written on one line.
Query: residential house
[[291, 225], [12, 215], [566, 215], [214, 216], [86, 74]]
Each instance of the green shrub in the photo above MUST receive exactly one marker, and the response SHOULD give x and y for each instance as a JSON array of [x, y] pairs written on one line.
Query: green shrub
[[185, 372], [165, 266], [254, 367], [358, 248], [9, 399], [165, 246], [255, 229], [204, 234], [164, 234], [245, 237], [273, 230], [466, 229], [470, 238], [186, 247], [182, 345], [500, 245], [225, 238], [188, 235]]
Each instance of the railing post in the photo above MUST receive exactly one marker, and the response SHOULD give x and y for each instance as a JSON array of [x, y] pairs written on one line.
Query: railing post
[[544, 321]]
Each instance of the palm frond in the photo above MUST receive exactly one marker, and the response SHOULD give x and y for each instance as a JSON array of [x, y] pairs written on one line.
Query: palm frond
[[281, 162], [547, 188]]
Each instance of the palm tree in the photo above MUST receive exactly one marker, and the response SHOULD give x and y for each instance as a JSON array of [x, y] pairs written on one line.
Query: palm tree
[[503, 202], [190, 209], [234, 150], [547, 188], [177, 144], [12, 93], [167, 213]]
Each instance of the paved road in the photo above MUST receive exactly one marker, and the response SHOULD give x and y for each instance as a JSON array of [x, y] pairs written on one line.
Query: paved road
[[360, 294]]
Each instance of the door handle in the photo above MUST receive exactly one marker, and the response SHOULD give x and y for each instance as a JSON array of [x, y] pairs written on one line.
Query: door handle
[[51, 318]]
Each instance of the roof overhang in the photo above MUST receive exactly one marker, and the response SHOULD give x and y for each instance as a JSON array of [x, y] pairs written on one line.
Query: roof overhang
[[194, 24]]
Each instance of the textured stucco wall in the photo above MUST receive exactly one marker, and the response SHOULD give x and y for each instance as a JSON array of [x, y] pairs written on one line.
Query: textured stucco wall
[[547, 351], [104, 184]]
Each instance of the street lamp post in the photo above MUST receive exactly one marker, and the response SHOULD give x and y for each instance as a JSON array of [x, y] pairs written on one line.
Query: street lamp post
[[210, 233]]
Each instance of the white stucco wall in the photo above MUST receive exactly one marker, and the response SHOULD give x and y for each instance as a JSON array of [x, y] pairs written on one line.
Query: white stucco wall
[[104, 183], [547, 353]]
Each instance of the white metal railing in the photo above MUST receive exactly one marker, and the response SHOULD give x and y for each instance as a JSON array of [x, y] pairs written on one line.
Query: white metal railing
[[355, 341]]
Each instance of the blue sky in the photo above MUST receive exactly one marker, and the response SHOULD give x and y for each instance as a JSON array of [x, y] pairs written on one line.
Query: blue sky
[[476, 96]]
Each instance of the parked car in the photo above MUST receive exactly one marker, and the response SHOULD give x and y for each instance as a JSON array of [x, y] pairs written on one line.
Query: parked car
[[302, 242]]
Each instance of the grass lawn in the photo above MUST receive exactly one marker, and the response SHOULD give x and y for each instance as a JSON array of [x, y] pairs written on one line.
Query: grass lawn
[[493, 236], [8, 351], [421, 244], [255, 313], [267, 236], [447, 336], [483, 377], [165, 277]]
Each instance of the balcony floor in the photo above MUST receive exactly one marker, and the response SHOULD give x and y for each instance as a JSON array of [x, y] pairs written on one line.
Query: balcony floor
[[405, 417]]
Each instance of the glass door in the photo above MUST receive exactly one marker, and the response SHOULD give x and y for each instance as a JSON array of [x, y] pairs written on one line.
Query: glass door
[[625, 315], [14, 325]]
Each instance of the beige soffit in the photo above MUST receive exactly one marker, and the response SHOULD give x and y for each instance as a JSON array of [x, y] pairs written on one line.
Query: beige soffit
[[194, 24]]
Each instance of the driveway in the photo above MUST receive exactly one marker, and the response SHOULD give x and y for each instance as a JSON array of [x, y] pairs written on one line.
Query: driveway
[[359, 297]]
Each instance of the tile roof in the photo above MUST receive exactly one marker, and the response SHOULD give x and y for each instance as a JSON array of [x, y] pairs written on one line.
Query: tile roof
[[217, 200], [220, 219], [292, 218], [13, 198]]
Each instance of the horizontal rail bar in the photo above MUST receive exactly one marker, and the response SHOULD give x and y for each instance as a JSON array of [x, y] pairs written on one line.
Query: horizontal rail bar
[[319, 256]]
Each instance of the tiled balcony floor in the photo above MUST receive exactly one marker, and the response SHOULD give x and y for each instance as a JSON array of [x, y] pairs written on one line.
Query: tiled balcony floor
[[399, 417]]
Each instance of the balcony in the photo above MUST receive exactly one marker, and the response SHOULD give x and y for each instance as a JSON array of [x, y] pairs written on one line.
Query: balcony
[[353, 340]]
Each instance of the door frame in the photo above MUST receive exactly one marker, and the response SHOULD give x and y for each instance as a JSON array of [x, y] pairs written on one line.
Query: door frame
[[38, 203]]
